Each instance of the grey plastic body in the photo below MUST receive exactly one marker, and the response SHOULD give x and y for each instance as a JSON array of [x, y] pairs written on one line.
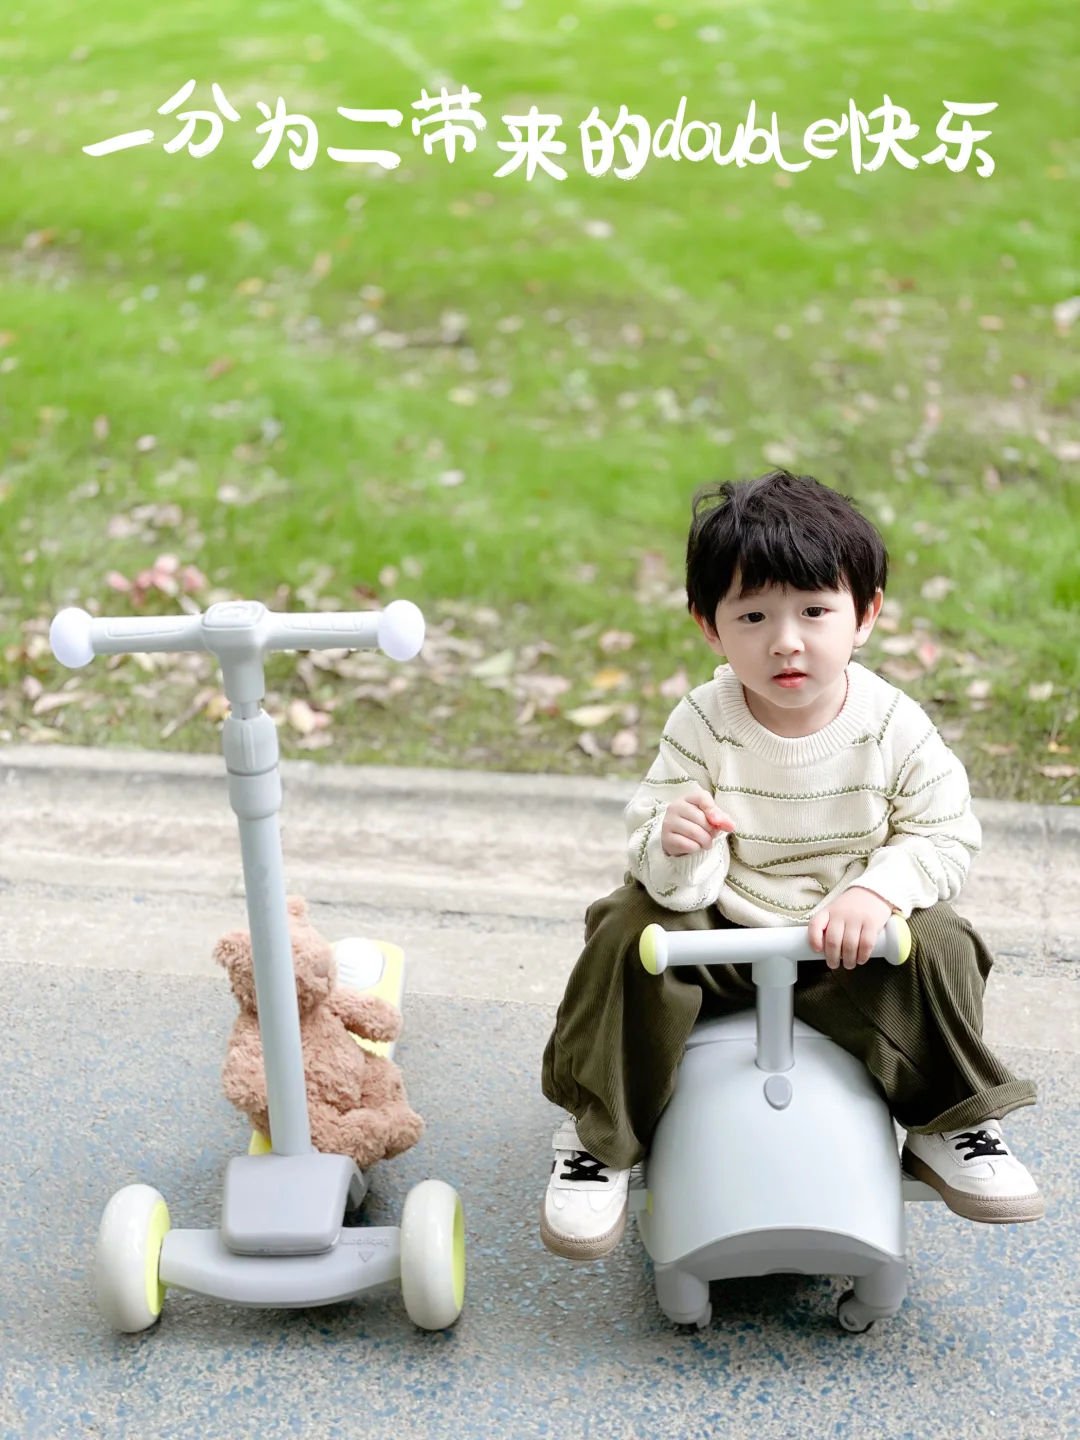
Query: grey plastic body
[[200, 1261], [746, 1176], [287, 1204]]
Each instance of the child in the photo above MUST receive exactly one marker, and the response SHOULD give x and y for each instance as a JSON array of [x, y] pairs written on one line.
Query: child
[[842, 806]]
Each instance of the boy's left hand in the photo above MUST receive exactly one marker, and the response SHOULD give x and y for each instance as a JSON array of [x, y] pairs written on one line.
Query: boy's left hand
[[849, 926]]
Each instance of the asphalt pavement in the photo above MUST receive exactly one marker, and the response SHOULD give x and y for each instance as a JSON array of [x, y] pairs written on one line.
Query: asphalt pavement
[[118, 871]]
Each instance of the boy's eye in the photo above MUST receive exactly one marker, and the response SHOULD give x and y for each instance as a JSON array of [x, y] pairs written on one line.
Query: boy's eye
[[819, 608]]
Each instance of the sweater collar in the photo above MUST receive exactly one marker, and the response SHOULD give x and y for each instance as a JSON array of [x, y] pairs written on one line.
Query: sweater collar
[[845, 729]]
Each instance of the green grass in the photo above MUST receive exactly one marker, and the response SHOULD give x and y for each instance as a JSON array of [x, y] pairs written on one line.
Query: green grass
[[297, 455]]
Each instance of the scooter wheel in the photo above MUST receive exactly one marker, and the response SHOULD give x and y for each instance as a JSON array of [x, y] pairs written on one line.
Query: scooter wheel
[[433, 1255], [851, 1315], [126, 1259]]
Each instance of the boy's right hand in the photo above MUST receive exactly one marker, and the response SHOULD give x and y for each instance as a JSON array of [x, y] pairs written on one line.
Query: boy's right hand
[[692, 823]]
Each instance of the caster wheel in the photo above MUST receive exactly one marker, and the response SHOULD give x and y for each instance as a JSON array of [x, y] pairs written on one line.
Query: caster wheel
[[704, 1320], [433, 1255], [133, 1227], [851, 1315]]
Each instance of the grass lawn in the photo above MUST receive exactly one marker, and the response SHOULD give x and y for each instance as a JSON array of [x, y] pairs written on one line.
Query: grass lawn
[[331, 387]]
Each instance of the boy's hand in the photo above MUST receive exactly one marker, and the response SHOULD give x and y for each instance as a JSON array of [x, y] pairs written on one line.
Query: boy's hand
[[849, 926], [692, 823]]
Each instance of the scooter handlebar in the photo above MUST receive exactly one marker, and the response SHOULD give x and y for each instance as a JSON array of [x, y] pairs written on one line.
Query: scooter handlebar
[[239, 629], [659, 948]]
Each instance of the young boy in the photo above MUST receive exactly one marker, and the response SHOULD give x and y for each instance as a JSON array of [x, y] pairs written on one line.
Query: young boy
[[841, 806]]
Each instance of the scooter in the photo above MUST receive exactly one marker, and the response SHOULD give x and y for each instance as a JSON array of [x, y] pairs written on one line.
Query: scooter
[[281, 1242], [777, 1153]]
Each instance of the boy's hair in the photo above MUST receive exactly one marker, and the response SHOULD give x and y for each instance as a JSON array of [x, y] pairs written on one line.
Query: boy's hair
[[786, 529]]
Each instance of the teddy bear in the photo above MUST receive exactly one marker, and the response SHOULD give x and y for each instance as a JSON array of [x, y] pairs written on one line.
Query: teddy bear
[[356, 1100]]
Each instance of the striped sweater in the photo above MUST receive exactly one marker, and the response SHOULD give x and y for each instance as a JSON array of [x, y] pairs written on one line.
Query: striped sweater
[[875, 798]]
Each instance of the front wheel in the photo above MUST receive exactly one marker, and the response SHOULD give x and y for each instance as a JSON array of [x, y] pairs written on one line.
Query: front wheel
[[433, 1255], [129, 1293]]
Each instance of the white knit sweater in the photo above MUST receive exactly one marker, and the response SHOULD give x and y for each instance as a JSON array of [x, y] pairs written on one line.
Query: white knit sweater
[[875, 798]]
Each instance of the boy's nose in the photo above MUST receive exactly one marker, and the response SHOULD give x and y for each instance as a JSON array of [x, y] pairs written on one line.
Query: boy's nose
[[786, 642]]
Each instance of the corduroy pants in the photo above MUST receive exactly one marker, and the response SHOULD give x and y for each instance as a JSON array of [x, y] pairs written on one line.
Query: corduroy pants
[[620, 1032]]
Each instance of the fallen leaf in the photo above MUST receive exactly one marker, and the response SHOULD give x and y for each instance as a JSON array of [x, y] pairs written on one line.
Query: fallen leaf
[[612, 641], [978, 690], [31, 687], [1042, 690], [588, 742], [1056, 749], [992, 749], [624, 743], [101, 427], [451, 478], [544, 689], [937, 588], [251, 286], [1065, 312], [318, 741], [1059, 772], [1068, 450], [589, 715], [609, 679], [928, 653], [902, 670], [899, 644], [778, 454], [494, 666], [145, 443], [675, 686], [991, 322], [221, 366], [47, 703], [301, 717]]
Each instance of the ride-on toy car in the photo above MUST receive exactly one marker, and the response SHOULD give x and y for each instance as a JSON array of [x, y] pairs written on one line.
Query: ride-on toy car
[[281, 1242], [776, 1153]]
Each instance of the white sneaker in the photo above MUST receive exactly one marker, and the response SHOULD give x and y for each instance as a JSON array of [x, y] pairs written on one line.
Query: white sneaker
[[584, 1211], [975, 1173]]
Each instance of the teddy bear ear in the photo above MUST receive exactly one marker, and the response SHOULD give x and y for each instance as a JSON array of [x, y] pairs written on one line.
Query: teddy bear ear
[[296, 905], [233, 946]]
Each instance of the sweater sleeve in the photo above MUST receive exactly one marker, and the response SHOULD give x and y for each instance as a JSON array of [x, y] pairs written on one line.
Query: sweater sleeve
[[679, 882], [933, 833]]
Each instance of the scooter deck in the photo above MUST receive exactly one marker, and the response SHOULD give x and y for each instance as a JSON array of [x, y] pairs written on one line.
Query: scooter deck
[[374, 967]]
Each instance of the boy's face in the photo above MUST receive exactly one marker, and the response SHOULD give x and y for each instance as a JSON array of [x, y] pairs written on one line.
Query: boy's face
[[789, 648]]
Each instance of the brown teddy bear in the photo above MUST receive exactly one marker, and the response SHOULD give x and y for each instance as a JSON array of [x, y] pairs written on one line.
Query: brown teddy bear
[[356, 1100]]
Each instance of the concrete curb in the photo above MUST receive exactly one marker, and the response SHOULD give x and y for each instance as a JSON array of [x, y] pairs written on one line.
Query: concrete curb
[[1045, 825]]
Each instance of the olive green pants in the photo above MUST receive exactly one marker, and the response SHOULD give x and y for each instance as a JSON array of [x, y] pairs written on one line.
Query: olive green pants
[[620, 1032]]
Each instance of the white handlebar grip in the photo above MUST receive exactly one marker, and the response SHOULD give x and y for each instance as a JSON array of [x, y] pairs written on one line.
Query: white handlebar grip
[[69, 638], [658, 948], [346, 630], [401, 630]]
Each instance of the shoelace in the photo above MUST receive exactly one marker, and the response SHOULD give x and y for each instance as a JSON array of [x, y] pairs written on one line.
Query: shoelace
[[978, 1142], [583, 1166]]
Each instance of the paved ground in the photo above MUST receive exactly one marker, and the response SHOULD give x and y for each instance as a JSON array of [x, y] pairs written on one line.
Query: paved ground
[[116, 875]]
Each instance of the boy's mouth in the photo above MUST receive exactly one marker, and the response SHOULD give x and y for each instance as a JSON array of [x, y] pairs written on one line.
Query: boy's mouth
[[789, 678]]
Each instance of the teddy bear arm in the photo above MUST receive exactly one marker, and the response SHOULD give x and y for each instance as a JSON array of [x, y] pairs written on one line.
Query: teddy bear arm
[[244, 1081], [366, 1015]]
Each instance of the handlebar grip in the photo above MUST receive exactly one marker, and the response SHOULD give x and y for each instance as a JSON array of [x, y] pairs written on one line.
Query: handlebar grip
[[658, 948], [76, 637], [344, 630]]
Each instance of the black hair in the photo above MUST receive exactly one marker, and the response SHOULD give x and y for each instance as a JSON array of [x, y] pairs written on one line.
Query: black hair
[[783, 529]]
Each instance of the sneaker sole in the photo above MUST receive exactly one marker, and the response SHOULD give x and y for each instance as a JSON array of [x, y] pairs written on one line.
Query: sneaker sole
[[571, 1247], [1009, 1210]]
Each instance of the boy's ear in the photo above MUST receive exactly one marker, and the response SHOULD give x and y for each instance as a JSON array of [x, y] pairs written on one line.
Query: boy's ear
[[703, 625], [862, 634]]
